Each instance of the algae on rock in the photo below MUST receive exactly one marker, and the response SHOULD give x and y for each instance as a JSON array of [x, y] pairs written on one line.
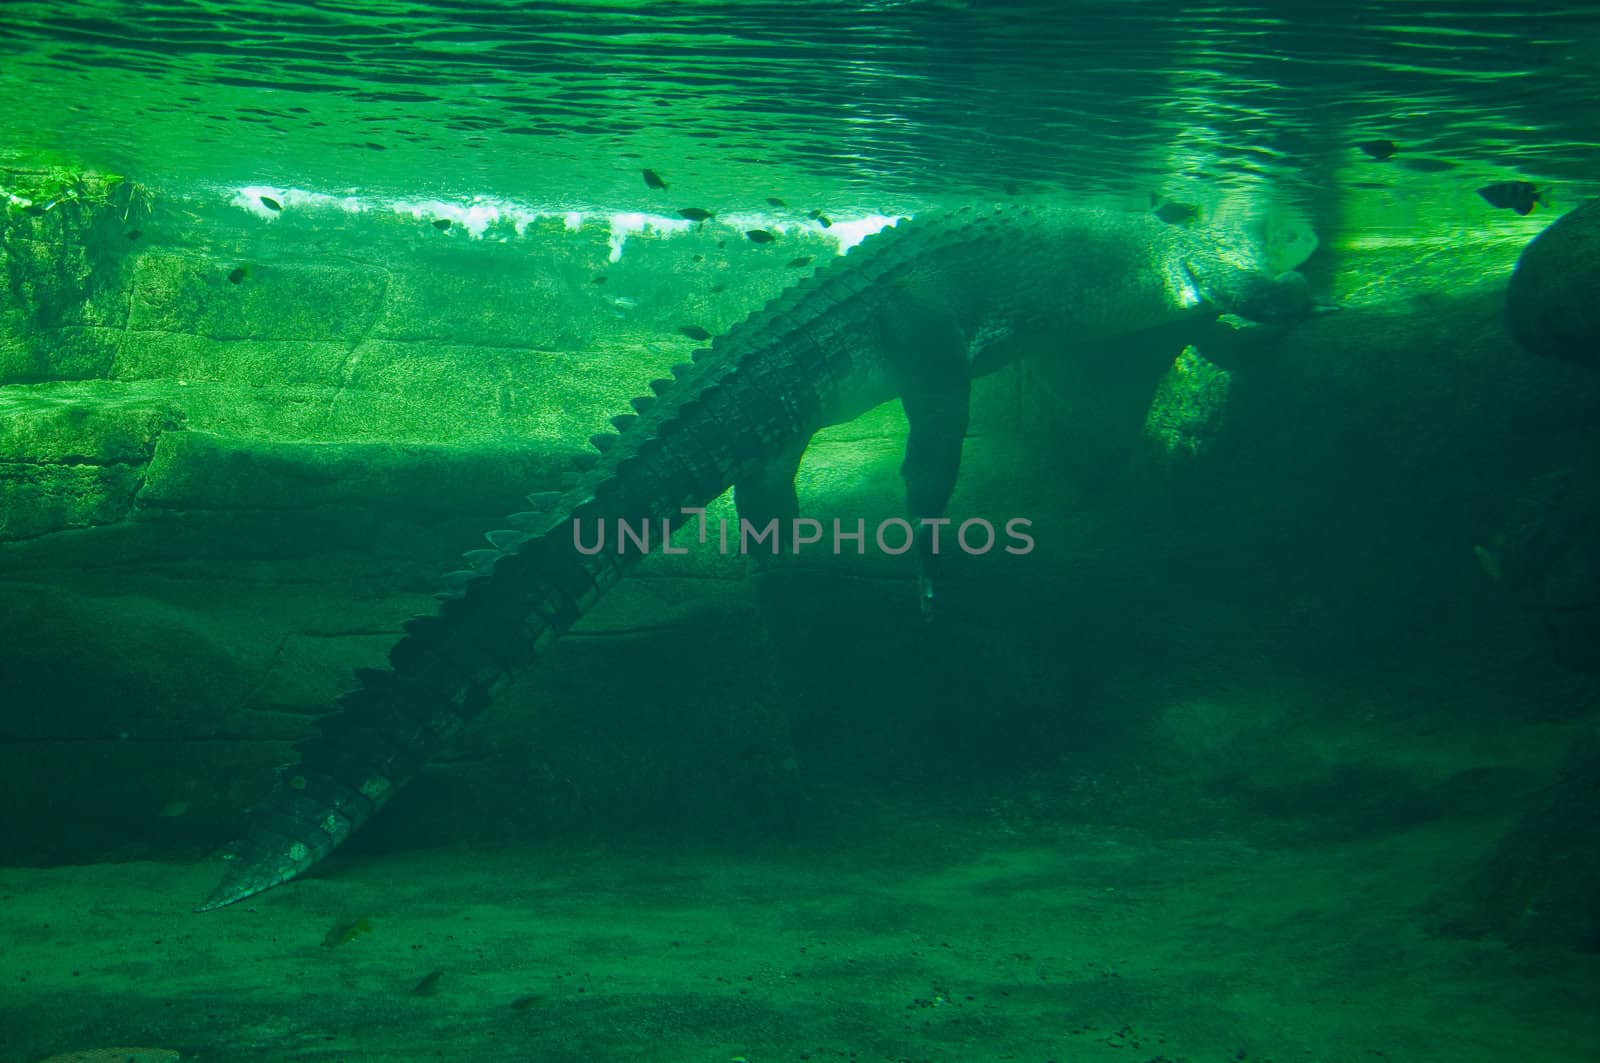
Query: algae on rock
[[63, 238], [1187, 411]]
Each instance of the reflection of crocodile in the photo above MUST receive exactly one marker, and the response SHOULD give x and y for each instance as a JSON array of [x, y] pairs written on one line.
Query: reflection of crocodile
[[916, 312]]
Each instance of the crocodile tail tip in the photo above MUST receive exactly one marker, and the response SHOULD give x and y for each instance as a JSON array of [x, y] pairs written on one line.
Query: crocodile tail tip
[[244, 876]]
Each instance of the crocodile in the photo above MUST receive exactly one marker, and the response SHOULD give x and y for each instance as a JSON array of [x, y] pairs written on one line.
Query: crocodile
[[915, 311]]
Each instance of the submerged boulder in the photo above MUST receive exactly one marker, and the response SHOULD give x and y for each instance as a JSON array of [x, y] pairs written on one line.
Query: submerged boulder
[[1549, 558], [1541, 884], [1186, 415], [1550, 305]]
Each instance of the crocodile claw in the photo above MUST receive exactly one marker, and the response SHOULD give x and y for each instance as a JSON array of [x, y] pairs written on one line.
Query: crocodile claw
[[925, 596]]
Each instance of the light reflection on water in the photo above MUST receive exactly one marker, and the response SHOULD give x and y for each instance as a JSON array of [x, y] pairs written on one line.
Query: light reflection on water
[[863, 104]]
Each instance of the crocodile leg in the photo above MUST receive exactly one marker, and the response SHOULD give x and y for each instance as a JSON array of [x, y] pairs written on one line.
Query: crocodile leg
[[938, 419], [935, 392], [768, 493]]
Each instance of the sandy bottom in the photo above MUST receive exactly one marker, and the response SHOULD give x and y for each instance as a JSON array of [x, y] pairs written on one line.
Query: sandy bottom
[[940, 941]]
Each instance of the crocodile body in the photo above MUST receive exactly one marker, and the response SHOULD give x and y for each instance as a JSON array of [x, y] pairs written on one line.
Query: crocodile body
[[915, 311]]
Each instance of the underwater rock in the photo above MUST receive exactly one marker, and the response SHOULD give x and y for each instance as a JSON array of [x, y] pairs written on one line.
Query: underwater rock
[[1550, 304], [1541, 885], [1186, 414], [74, 459], [61, 271], [119, 707], [1549, 558]]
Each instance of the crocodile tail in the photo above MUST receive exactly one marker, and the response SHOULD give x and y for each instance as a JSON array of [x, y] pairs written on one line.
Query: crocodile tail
[[754, 391], [444, 671]]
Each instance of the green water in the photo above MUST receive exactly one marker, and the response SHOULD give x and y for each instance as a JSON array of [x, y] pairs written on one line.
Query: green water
[[1277, 749], [836, 104]]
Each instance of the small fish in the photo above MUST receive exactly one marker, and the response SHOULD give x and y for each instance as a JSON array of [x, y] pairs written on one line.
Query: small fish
[[428, 983], [799, 263], [134, 234], [270, 203], [1519, 196], [820, 218], [695, 213], [1378, 149], [694, 332], [717, 289], [374, 146], [1177, 213], [774, 201], [345, 931], [653, 180], [598, 280], [1423, 164], [523, 1003], [238, 274], [759, 236], [441, 224]]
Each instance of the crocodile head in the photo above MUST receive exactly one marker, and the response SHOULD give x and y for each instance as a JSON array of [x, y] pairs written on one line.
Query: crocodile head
[[1251, 294]]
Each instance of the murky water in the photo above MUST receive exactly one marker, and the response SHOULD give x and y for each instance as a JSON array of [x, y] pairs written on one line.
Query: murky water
[[1253, 759]]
